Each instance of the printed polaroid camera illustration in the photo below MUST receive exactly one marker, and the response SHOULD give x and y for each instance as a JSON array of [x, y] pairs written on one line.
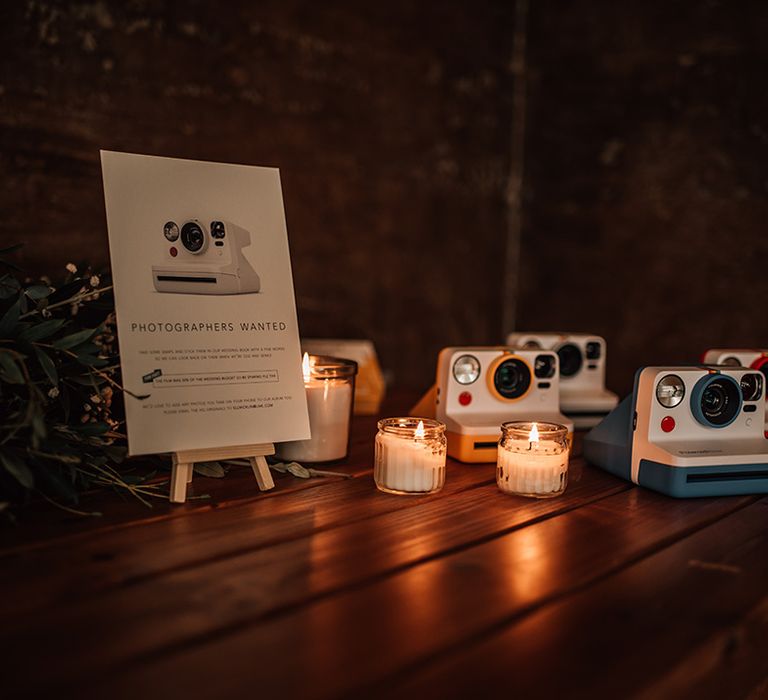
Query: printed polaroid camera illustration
[[687, 431], [583, 396], [478, 388], [205, 258]]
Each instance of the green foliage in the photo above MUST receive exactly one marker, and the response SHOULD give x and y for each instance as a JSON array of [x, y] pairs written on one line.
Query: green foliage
[[61, 421]]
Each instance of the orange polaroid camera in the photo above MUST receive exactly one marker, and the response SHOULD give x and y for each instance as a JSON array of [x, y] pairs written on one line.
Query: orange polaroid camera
[[479, 388]]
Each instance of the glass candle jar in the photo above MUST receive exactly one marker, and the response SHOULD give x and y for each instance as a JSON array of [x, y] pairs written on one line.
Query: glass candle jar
[[410, 455], [533, 459], [330, 386]]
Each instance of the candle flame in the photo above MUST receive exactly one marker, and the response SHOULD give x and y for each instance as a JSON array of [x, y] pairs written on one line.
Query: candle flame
[[533, 436], [305, 366], [420, 429]]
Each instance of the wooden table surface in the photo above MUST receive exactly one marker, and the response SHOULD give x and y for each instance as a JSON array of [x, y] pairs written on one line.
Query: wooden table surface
[[327, 588]]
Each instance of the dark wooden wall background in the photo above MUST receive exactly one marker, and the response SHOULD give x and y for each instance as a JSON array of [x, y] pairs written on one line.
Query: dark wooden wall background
[[389, 121], [646, 139], [646, 176]]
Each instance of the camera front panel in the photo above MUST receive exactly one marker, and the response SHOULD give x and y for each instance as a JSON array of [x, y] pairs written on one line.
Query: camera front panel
[[688, 406], [199, 241], [581, 357], [489, 382]]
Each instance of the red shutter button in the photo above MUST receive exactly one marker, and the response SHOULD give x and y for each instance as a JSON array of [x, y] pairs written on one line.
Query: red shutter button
[[465, 398], [667, 424]]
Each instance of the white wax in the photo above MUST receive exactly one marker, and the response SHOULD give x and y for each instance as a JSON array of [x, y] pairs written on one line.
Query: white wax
[[329, 402], [408, 465], [531, 468]]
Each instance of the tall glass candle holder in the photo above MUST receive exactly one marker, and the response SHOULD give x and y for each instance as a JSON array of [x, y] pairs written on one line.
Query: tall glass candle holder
[[330, 386], [410, 455], [533, 459]]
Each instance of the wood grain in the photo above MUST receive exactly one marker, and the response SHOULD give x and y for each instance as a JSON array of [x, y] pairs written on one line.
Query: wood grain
[[666, 625], [180, 628]]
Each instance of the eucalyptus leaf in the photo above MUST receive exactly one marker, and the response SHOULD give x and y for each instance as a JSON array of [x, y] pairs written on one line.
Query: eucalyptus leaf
[[89, 380], [9, 286], [9, 369], [11, 318], [40, 331], [48, 366], [18, 469], [116, 453], [75, 339], [211, 469], [38, 425], [38, 291], [297, 470], [87, 349], [92, 361], [293, 468], [91, 428]]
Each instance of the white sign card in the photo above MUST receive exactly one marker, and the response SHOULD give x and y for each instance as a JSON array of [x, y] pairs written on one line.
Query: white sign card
[[206, 315]]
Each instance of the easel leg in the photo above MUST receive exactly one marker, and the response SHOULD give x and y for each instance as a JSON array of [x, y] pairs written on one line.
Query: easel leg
[[181, 475], [262, 473]]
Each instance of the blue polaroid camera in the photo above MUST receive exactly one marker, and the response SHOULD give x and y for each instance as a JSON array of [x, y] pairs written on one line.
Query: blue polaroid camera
[[687, 432]]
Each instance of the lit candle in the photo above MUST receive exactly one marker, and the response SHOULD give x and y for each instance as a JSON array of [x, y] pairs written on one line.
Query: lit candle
[[533, 459], [329, 383], [410, 455]]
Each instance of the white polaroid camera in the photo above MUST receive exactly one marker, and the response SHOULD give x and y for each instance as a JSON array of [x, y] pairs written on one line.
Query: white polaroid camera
[[583, 396], [479, 388], [205, 258], [687, 431], [753, 359]]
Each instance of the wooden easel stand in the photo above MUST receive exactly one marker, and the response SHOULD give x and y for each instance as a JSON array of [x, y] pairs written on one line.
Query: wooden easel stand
[[184, 462]]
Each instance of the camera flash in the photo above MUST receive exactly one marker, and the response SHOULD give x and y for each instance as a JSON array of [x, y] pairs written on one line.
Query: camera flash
[[670, 391], [466, 369]]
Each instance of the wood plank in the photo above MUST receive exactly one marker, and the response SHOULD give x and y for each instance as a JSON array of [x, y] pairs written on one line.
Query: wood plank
[[348, 605], [114, 557], [126, 556], [42, 524], [690, 621], [730, 663]]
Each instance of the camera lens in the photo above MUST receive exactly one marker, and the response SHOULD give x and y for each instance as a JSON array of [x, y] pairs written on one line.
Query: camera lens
[[171, 231], [593, 350], [217, 229], [570, 359], [512, 378], [192, 237], [731, 361], [531, 345], [751, 386], [716, 400], [544, 366]]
